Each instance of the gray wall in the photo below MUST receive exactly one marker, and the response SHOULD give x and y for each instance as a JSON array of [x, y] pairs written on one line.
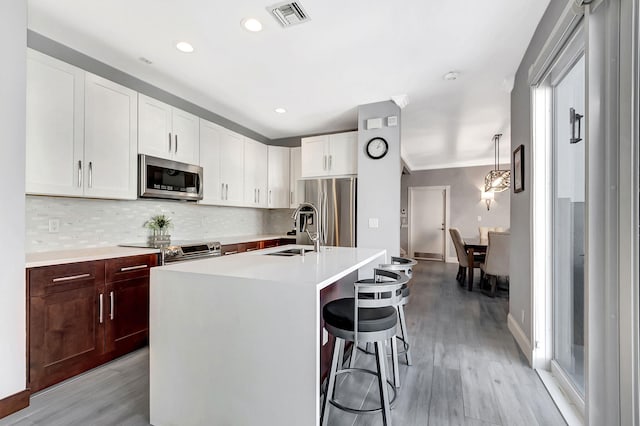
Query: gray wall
[[520, 268], [466, 206], [378, 181], [13, 31]]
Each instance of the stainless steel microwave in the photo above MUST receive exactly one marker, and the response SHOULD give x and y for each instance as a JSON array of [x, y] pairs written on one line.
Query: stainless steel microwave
[[160, 178]]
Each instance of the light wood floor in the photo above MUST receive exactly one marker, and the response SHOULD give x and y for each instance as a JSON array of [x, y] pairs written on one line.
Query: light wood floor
[[466, 370]]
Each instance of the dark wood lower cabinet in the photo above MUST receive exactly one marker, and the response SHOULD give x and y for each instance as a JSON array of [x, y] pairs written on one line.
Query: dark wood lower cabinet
[[78, 320]]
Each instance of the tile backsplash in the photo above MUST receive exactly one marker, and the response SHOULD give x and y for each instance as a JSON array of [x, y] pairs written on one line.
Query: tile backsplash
[[97, 223]]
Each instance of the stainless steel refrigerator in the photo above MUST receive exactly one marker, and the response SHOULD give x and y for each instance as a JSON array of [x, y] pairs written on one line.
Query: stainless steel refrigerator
[[335, 200]]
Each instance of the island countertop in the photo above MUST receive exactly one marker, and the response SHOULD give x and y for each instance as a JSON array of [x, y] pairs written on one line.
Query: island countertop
[[314, 268], [239, 340]]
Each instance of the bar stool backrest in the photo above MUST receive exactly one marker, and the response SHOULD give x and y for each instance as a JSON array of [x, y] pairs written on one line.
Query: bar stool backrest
[[401, 264], [386, 289]]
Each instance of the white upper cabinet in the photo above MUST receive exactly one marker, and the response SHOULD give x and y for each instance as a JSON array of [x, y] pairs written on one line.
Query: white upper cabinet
[[222, 161], [278, 194], [110, 141], [167, 132], [81, 132], [55, 126], [255, 173], [330, 155], [296, 186]]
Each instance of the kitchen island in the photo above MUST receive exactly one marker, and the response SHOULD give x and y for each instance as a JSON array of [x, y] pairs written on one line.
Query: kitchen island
[[236, 340]]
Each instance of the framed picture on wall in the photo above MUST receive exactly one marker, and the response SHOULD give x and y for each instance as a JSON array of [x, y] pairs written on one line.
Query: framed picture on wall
[[518, 169]]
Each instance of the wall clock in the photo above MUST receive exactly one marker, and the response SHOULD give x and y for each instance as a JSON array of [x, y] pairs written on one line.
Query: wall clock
[[377, 148]]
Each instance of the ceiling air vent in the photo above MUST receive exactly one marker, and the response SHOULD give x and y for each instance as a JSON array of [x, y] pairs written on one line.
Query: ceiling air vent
[[289, 14]]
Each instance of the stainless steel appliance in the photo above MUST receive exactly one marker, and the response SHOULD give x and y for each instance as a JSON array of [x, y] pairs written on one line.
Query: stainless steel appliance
[[335, 200], [180, 251], [161, 178]]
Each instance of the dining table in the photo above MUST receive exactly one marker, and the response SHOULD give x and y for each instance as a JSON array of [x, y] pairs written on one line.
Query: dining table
[[473, 247]]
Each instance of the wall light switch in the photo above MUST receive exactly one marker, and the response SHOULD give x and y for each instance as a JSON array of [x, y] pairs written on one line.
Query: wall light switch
[[54, 226], [373, 222], [479, 218], [374, 123]]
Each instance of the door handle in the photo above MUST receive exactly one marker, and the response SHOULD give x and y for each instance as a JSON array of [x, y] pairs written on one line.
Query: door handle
[[112, 304], [226, 191], [222, 191], [90, 174], [330, 161], [176, 147], [169, 141], [258, 195], [269, 201], [79, 173], [100, 310], [70, 278], [324, 162], [573, 118], [132, 268]]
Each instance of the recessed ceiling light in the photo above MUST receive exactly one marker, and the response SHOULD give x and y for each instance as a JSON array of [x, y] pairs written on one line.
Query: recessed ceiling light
[[185, 47], [451, 75], [251, 24], [280, 110]]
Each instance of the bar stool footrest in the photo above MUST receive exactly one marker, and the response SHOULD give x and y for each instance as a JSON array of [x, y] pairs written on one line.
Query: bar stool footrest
[[361, 411], [400, 352]]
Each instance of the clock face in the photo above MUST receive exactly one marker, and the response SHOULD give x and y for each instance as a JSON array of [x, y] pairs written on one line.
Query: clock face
[[377, 148]]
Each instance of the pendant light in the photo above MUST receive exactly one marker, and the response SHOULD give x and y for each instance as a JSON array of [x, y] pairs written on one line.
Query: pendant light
[[497, 180]]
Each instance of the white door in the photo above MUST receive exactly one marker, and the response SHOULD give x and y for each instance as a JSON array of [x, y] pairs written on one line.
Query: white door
[[210, 136], [185, 137], [278, 180], [296, 186], [427, 222], [314, 156], [154, 128], [253, 179], [232, 168], [55, 126], [343, 154], [110, 139]]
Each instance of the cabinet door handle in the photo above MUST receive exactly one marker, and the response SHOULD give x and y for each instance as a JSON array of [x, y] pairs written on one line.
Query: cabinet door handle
[[176, 147], [132, 268], [100, 311], [258, 195], [112, 300], [226, 191], [71, 278], [79, 173], [330, 158], [222, 191], [269, 201], [90, 174], [231, 252], [169, 141], [324, 162], [255, 195], [290, 197]]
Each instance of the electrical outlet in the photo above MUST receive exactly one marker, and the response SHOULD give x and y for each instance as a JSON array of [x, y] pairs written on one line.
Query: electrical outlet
[[479, 218], [54, 226], [325, 336]]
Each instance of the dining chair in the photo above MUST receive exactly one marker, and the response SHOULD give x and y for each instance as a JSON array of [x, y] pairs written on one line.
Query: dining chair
[[496, 262], [461, 252]]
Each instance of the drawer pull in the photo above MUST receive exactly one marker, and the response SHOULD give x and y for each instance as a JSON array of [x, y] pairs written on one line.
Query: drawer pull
[[71, 278], [112, 314], [132, 268], [100, 308], [231, 252], [252, 249]]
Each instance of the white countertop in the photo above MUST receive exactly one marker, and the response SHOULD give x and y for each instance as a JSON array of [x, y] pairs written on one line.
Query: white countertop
[[319, 269], [58, 257], [250, 238]]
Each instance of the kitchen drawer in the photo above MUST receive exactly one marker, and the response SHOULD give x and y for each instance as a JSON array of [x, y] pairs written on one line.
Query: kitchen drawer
[[254, 245], [132, 267], [59, 278], [229, 249], [270, 243]]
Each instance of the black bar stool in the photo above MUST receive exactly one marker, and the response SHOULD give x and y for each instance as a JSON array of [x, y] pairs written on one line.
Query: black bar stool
[[364, 318]]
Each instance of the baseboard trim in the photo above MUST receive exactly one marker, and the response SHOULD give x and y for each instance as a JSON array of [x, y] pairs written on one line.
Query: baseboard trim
[[15, 402], [453, 259], [521, 338]]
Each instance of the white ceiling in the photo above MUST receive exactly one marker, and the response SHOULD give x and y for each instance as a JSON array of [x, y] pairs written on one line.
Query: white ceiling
[[351, 53]]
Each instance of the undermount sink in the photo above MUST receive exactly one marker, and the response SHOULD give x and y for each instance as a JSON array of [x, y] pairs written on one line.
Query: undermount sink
[[288, 252]]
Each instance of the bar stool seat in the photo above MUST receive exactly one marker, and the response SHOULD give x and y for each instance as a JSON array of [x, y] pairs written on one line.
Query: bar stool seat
[[371, 319]]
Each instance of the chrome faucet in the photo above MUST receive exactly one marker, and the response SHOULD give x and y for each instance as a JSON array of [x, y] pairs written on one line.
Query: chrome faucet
[[315, 237]]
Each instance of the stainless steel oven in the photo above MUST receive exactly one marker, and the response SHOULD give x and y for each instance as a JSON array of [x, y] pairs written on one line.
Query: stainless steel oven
[[160, 178]]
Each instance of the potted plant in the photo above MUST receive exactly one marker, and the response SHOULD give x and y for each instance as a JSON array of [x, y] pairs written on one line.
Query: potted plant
[[159, 225]]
